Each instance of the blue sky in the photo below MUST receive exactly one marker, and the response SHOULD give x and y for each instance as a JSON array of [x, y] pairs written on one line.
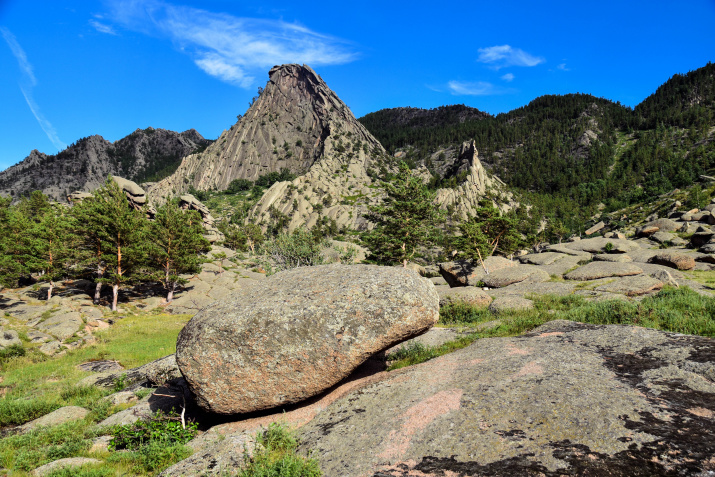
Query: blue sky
[[71, 69]]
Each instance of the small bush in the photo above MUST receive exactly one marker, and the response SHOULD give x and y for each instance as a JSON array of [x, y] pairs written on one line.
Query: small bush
[[11, 352], [275, 456], [299, 249], [20, 411], [165, 428]]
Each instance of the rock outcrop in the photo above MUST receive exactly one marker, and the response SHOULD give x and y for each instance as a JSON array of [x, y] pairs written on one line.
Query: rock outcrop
[[565, 399], [85, 165], [299, 333], [464, 200], [189, 202]]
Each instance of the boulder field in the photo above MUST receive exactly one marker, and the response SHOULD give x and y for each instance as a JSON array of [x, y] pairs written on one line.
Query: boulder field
[[299, 333]]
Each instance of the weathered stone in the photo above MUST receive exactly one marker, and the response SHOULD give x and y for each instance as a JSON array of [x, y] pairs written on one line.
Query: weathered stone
[[664, 225], [595, 270], [101, 366], [299, 333], [471, 295], [510, 302], [56, 417], [600, 244], [62, 325], [672, 259], [438, 281], [68, 462], [698, 239], [156, 372], [666, 277], [599, 226], [50, 348], [543, 258], [507, 276], [38, 337], [434, 337], [662, 237], [646, 231], [122, 397], [566, 399], [9, 338], [467, 273], [566, 249], [612, 257], [632, 286]]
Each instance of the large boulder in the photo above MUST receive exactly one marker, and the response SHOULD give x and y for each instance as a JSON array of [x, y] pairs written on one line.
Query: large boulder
[[298, 333], [601, 245], [673, 259], [507, 276], [566, 399], [471, 295]]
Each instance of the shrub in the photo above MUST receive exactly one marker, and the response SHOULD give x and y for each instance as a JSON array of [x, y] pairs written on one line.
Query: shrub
[[165, 428], [299, 249], [275, 455]]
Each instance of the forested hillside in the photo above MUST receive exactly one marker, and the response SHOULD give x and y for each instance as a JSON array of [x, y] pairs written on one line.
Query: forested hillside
[[570, 153]]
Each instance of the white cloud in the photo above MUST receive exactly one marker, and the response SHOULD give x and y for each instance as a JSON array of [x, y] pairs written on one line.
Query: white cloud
[[29, 80], [20, 55], [504, 55], [475, 88], [102, 28], [508, 77], [562, 67], [230, 48]]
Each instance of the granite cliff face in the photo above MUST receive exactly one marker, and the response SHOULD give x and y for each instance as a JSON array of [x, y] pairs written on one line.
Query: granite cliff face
[[86, 164], [290, 125]]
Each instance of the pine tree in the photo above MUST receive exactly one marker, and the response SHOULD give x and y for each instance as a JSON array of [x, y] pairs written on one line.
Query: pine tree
[[406, 219], [90, 251], [123, 231], [487, 232], [177, 242], [49, 245], [13, 253]]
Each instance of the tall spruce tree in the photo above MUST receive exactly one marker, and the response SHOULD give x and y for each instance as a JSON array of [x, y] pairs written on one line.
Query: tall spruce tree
[[49, 245], [13, 240], [404, 221], [176, 244], [123, 230], [91, 250]]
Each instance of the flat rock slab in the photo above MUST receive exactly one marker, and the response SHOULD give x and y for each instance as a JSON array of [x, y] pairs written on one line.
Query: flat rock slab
[[467, 273], [544, 258], [596, 270], [612, 257], [56, 417], [559, 288], [434, 337], [299, 333], [156, 372], [101, 366], [510, 302], [60, 464], [471, 295], [632, 286], [600, 245], [62, 325], [567, 250], [566, 399], [507, 276]]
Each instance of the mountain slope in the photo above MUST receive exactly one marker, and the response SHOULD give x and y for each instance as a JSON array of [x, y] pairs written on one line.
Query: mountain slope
[[86, 164]]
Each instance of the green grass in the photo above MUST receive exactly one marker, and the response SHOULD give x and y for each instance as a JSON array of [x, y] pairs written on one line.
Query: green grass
[[35, 385], [275, 456], [679, 310]]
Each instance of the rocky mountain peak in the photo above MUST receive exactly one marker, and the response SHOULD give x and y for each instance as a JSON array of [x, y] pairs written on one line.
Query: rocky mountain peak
[[286, 127]]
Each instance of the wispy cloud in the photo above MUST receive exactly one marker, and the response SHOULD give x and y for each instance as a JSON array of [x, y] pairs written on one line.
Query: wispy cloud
[[475, 88], [508, 77], [562, 67], [27, 83], [102, 28], [230, 48], [505, 55]]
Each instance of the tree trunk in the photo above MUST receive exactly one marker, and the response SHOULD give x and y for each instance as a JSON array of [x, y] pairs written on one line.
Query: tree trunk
[[49, 291], [170, 295], [115, 295], [98, 287], [97, 293]]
